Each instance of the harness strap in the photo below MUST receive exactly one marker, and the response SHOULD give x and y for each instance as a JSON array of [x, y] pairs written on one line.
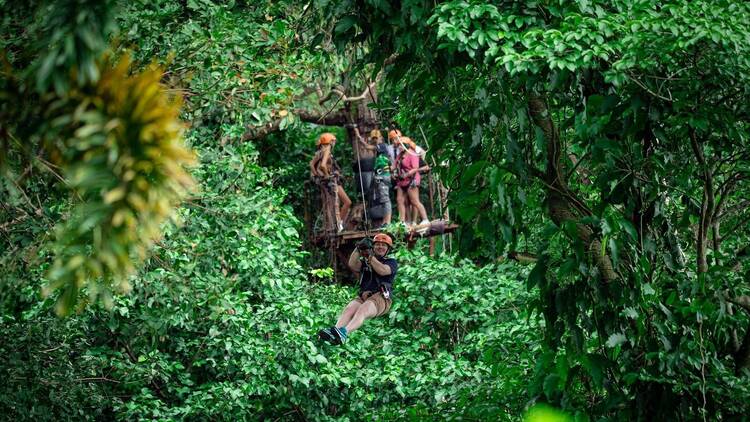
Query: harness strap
[[382, 288]]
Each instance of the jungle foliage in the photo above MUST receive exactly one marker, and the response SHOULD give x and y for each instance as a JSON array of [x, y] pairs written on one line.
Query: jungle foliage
[[609, 139], [220, 320]]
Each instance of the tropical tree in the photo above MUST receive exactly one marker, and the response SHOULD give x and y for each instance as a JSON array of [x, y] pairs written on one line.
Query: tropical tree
[[75, 118], [611, 138]]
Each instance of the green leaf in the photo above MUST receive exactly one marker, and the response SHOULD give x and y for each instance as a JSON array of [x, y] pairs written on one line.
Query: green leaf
[[320, 359], [345, 24], [629, 228], [538, 274], [614, 251], [551, 385], [595, 365], [568, 267], [616, 340], [467, 178], [45, 70]]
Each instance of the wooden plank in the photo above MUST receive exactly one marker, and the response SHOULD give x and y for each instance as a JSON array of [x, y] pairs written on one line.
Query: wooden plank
[[428, 230]]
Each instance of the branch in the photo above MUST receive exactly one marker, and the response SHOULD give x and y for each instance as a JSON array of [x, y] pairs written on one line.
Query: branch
[[724, 189], [742, 223], [741, 301], [337, 118], [562, 203], [707, 205], [647, 89], [582, 173], [733, 210], [520, 257], [390, 60], [104, 379], [335, 90], [348, 100]]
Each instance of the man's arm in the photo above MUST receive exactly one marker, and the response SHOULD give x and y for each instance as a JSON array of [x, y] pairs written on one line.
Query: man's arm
[[379, 267], [354, 263], [423, 167], [365, 145]]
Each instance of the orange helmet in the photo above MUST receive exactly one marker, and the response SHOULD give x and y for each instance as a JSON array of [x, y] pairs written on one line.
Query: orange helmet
[[326, 139], [393, 134], [382, 237]]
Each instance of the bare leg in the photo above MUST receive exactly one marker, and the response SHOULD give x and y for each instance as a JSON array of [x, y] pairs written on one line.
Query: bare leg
[[345, 203], [348, 313], [366, 311], [401, 204], [414, 199]]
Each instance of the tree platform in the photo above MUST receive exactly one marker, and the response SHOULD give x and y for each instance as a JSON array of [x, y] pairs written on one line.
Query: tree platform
[[410, 236]]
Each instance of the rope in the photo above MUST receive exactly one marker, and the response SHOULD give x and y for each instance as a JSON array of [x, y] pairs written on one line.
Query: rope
[[361, 185]]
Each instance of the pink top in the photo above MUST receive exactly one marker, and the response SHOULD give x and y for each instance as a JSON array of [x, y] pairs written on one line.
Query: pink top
[[409, 162]]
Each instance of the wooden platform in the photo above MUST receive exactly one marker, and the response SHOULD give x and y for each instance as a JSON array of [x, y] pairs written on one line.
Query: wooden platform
[[434, 228]]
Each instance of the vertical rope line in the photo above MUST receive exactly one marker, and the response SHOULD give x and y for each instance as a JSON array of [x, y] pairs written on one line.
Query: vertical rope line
[[703, 370], [361, 185]]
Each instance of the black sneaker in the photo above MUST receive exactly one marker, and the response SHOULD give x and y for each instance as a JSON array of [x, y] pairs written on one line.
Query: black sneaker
[[326, 335], [338, 336]]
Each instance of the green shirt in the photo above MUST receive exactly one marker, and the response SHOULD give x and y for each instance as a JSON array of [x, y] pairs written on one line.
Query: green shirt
[[382, 165]]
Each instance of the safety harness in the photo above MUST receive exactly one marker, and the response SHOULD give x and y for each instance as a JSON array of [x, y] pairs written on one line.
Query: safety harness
[[380, 287]]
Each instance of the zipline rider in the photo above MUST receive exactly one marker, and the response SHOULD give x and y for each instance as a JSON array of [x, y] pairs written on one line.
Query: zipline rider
[[377, 272]]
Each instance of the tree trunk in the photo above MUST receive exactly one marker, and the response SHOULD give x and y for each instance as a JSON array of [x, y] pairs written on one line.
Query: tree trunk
[[362, 117], [707, 205], [742, 358], [562, 204]]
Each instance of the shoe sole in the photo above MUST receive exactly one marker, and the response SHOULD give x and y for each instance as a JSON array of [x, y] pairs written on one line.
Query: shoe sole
[[326, 336], [337, 339]]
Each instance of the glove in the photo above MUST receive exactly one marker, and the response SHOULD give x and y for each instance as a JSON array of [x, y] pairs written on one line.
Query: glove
[[364, 244], [364, 247]]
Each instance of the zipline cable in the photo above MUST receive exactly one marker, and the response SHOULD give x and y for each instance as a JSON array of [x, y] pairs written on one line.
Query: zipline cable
[[361, 184]]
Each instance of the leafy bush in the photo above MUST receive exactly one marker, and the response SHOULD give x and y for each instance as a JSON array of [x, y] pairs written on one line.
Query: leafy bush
[[221, 325]]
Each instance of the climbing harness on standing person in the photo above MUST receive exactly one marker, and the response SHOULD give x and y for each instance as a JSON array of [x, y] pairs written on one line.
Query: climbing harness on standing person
[[327, 179]]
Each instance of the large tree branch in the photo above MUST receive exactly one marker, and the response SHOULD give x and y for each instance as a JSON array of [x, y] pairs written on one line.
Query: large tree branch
[[336, 115], [336, 118], [582, 173], [563, 206], [707, 206], [725, 189], [342, 97], [742, 357], [732, 210], [741, 301]]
